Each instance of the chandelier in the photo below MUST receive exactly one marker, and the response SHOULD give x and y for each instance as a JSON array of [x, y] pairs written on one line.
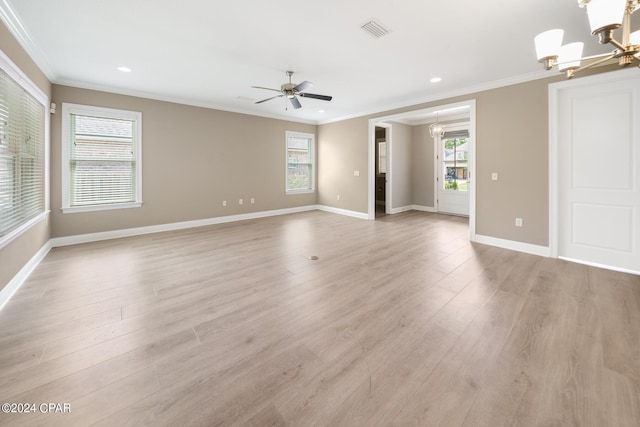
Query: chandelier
[[437, 128], [605, 16]]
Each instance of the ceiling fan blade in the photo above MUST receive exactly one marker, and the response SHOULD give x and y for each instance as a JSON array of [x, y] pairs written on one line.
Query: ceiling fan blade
[[303, 86], [314, 96], [294, 101], [266, 88], [269, 99]]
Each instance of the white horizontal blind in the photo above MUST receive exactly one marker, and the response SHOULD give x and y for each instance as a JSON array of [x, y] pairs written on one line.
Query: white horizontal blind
[[102, 160], [454, 134], [22, 157], [300, 162]]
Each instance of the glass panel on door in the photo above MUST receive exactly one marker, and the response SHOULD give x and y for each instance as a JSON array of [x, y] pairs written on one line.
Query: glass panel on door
[[455, 155]]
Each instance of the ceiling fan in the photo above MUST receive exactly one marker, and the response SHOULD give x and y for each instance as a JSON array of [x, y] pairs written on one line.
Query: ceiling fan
[[292, 91]]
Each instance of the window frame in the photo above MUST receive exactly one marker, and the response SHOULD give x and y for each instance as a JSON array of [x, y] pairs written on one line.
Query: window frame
[[312, 162], [86, 110], [13, 71]]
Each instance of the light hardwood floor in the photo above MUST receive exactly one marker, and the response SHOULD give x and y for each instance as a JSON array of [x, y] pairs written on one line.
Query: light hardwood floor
[[401, 321]]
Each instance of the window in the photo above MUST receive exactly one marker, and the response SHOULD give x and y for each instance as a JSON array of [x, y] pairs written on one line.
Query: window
[[23, 124], [300, 163], [101, 159]]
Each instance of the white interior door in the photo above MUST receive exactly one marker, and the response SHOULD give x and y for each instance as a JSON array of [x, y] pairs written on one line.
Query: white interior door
[[453, 173], [598, 171]]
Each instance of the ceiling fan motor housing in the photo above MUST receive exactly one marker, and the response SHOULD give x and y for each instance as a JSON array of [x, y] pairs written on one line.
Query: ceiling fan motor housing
[[287, 88], [291, 90]]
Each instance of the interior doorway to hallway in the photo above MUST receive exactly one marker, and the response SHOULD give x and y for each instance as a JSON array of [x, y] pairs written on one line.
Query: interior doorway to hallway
[[411, 177], [382, 134]]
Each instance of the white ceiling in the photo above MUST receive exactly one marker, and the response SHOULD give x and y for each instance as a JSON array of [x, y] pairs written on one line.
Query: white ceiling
[[210, 52]]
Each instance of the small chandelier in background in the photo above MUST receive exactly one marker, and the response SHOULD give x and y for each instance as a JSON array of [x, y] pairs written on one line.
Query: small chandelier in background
[[437, 128], [605, 16]]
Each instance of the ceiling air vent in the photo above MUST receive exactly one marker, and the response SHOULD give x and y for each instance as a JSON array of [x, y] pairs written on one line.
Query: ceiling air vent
[[375, 28]]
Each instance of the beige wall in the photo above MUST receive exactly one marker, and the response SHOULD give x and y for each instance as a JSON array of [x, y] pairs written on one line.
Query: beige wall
[[192, 159], [17, 253], [422, 172], [401, 165], [343, 149], [511, 139], [10, 46]]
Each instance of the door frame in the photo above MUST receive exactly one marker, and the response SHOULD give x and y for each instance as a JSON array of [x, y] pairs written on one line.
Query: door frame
[[554, 92], [377, 121]]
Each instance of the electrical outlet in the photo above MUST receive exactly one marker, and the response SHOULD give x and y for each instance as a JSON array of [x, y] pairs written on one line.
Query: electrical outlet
[[253, 200], [338, 197], [224, 203], [494, 176], [518, 222], [240, 201], [356, 173]]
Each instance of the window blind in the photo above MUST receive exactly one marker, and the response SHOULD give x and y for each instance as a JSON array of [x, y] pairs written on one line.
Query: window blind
[[102, 161], [456, 134], [22, 136]]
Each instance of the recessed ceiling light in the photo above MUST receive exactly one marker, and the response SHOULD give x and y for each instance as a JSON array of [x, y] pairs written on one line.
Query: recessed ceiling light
[[436, 79], [124, 69], [320, 111]]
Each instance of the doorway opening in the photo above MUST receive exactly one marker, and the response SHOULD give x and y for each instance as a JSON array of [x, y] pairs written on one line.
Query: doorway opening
[[382, 141], [413, 173]]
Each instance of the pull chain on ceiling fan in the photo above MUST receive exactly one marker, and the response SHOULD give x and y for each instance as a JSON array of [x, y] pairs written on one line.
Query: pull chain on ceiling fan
[[291, 91]]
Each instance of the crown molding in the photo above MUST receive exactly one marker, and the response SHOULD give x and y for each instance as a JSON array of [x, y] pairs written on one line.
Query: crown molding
[[13, 22], [178, 100], [416, 102]]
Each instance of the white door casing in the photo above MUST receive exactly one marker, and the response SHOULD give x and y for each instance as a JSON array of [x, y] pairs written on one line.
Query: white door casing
[[596, 142]]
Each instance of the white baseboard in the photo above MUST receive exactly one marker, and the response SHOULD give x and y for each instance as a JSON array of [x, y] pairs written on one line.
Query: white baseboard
[[7, 292], [115, 234], [129, 232], [345, 212], [513, 245], [606, 267], [400, 209], [424, 208]]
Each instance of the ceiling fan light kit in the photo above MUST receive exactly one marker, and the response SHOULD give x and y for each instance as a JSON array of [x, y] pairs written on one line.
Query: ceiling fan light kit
[[291, 91], [605, 17]]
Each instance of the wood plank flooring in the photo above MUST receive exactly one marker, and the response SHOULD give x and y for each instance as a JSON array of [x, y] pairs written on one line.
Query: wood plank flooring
[[401, 321]]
